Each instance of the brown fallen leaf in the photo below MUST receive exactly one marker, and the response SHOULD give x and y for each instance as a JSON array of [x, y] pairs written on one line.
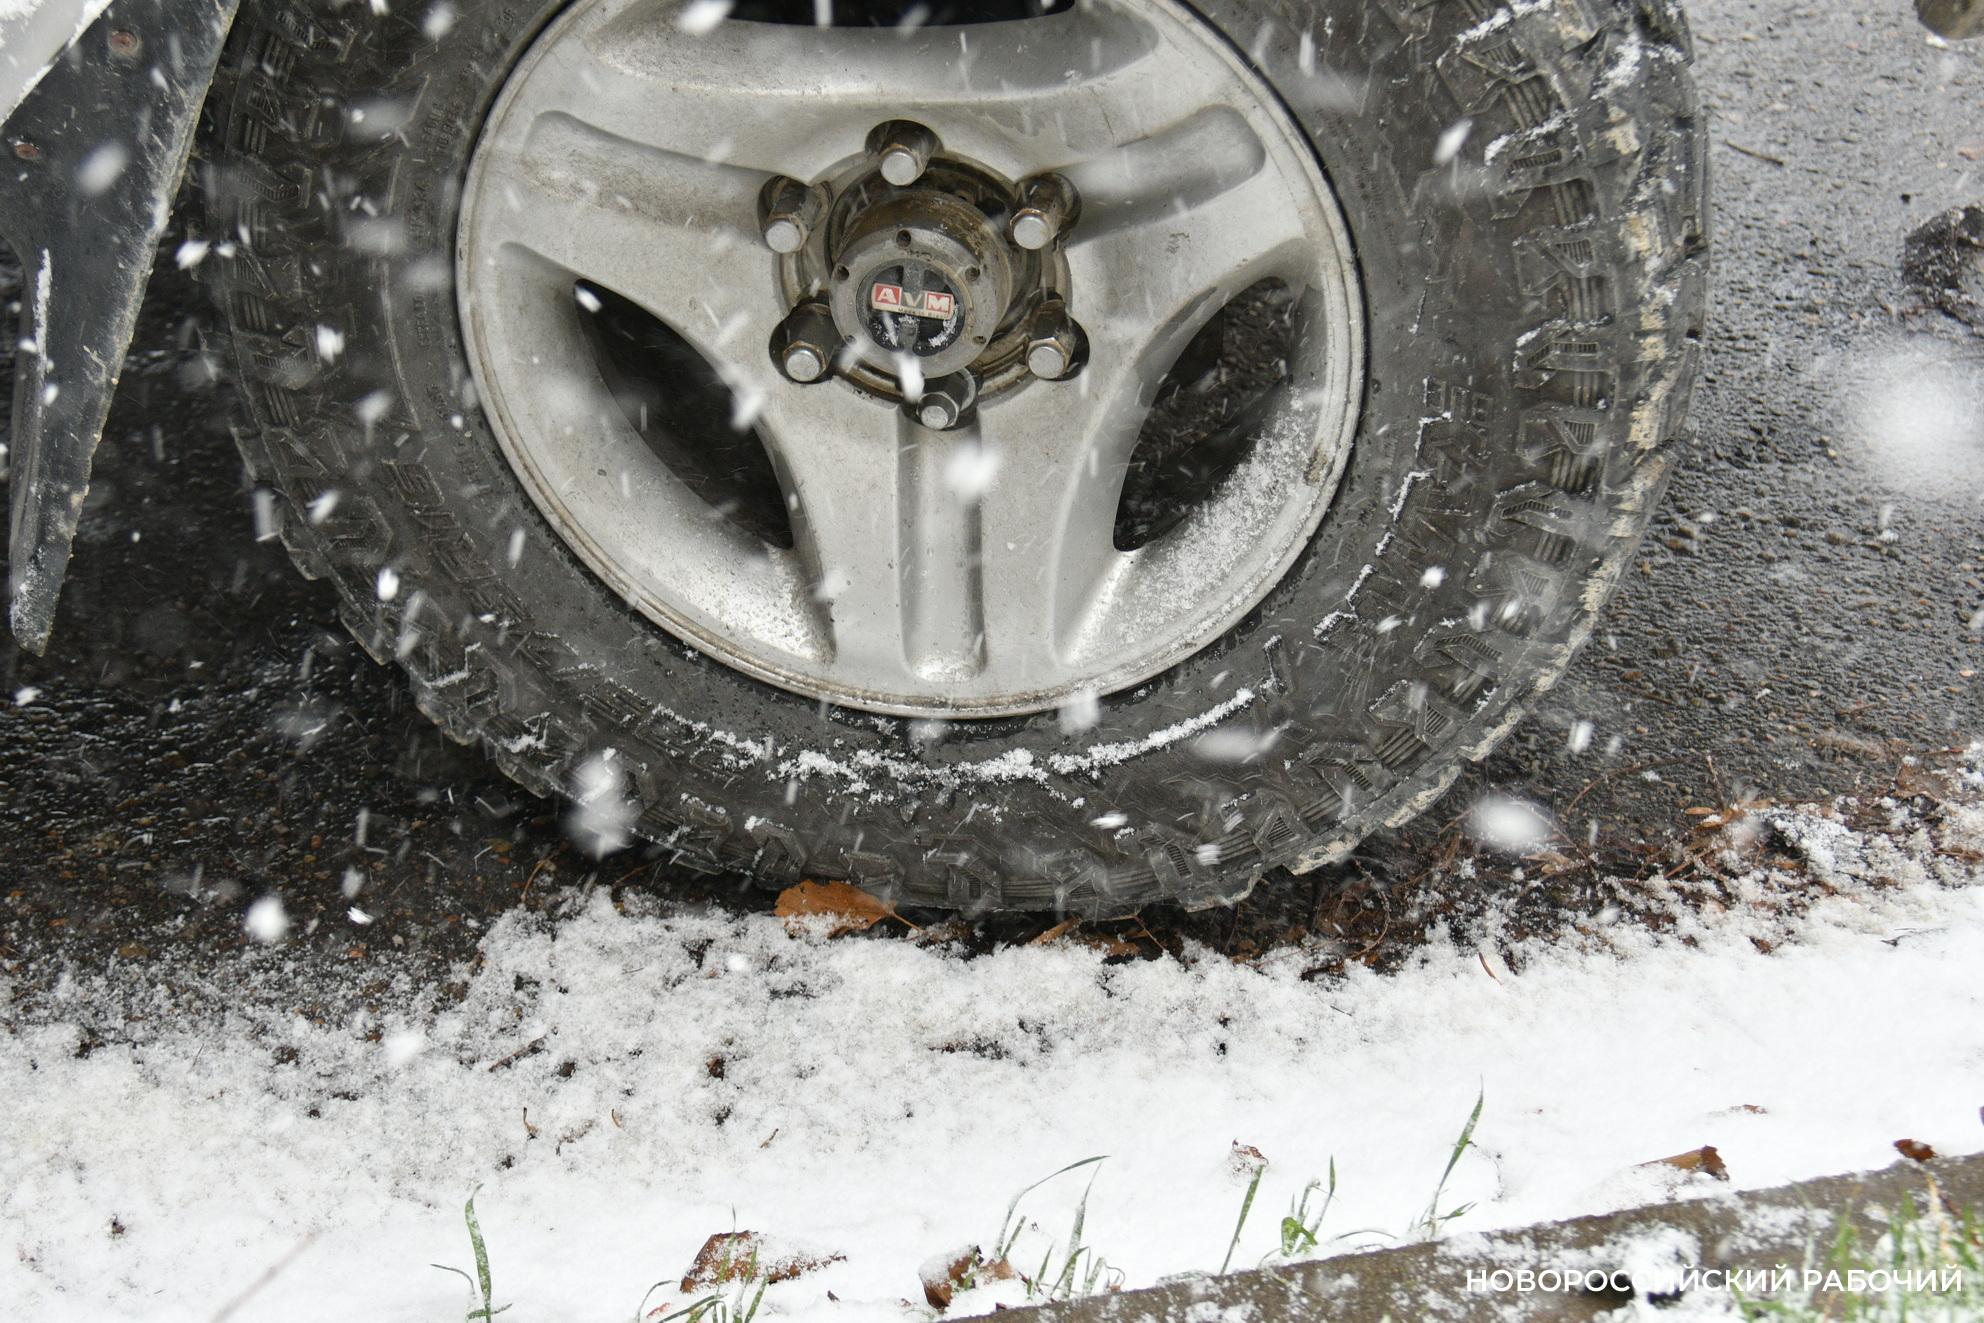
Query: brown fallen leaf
[[1554, 863], [1915, 1149], [738, 1256], [851, 909], [1245, 1159], [1704, 1159], [944, 1275]]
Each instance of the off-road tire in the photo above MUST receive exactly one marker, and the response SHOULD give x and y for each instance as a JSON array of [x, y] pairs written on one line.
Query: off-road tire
[[1535, 310]]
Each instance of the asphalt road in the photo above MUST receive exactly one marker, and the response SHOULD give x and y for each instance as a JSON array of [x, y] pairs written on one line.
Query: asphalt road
[[203, 732]]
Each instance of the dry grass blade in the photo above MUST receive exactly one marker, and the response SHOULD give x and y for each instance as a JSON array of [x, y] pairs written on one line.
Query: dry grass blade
[[1056, 933]]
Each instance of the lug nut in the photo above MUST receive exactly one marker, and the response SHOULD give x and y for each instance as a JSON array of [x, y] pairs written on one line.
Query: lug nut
[[804, 364], [804, 344], [787, 213], [1048, 204], [904, 149], [946, 401], [1056, 348]]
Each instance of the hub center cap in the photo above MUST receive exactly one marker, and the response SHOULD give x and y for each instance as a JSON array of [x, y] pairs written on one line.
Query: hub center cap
[[921, 275]]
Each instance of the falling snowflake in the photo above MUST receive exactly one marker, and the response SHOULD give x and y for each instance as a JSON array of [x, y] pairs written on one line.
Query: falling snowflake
[[702, 16], [971, 470], [1510, 825], [1081, 712], [267, 920], [1452, 141], [602, 816]]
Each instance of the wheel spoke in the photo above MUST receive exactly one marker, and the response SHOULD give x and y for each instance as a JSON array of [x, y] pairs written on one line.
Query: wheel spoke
[[793, 98], [1054, 458], [944, 556], [842, 460], [1155, 263], [674, 234], [1167, 173], [1218, 235], [590, 457]]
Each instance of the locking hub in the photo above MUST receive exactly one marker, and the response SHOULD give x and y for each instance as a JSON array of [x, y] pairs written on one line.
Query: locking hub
[[921, 274], [929, 267]]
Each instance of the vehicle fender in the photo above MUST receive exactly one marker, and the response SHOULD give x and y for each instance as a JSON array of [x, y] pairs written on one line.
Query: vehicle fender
[[93, 156], [32, 36]]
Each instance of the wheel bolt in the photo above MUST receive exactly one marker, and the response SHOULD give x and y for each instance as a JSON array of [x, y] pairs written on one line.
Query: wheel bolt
[[1048, 204], [804, 344], [1056, 348], [787, 212], [946, 401], [904, 149]]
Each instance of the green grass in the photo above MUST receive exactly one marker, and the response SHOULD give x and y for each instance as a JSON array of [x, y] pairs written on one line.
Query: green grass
[[1246, 1206], [480, 1283], [1301, 1229], [1922, 1237], [1082, 1271], [1434, 1220]]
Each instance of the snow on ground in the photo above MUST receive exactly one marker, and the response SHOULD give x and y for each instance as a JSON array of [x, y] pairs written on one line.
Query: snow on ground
[[622, 1083]]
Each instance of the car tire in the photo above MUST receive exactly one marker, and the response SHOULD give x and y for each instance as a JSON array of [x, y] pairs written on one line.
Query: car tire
[[1525, 188]]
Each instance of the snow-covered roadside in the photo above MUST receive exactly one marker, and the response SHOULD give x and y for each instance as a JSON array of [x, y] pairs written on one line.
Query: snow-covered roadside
[[622, 1084]]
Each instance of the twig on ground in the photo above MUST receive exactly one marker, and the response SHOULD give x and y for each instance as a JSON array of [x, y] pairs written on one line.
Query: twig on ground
[[1754, 154]]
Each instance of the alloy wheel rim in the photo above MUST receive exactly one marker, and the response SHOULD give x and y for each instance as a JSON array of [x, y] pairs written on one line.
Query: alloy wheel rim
[[961, 570]]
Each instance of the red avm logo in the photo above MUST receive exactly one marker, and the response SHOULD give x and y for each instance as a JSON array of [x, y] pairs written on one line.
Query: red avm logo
[[919, 302]]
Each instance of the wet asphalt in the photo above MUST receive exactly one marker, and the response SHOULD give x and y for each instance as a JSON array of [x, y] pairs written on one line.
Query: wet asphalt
[[1808, 611]]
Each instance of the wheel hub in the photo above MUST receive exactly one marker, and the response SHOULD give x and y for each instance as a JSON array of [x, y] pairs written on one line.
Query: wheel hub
[[929, 267]]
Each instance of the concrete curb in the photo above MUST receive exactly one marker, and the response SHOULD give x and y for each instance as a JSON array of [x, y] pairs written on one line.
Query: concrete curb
[[1756, 1229]]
